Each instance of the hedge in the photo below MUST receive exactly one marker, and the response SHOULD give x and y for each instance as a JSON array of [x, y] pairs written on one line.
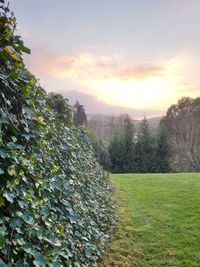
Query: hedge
[[56, 205]]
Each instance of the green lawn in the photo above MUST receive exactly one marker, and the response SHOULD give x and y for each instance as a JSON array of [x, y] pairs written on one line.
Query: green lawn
[[159, 221]]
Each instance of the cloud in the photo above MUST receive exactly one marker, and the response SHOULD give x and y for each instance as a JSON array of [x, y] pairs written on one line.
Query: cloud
[[58, 65], [85, 65], [134, 72]]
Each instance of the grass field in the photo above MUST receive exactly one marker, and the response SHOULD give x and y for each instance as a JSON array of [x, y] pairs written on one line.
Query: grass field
[[159, 221]]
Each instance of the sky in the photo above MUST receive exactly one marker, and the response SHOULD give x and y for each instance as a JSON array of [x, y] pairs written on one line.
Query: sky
[[135, 54]]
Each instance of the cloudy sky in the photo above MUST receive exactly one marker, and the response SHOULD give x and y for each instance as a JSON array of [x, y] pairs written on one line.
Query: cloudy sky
[[135, 54]]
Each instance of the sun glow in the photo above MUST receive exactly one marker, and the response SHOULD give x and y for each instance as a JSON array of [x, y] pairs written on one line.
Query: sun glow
[[155, 92], [132, 93]]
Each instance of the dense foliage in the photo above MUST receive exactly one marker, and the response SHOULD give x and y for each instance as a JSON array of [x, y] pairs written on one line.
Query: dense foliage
[[55, 199], [61, 107], [173, 147], [79, 116], [141, 151], [182, 123], [121, 148]]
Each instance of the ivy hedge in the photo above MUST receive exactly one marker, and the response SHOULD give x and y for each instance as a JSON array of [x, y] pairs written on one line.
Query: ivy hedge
[[56, 204]]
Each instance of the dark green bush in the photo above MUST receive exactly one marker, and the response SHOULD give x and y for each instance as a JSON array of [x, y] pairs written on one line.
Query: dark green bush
[[55, 200]]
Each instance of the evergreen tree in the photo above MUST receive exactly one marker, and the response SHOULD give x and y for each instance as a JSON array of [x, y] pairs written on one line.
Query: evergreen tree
[[128, 146], [121, 148], [79, 117], [100, 149], [162, 151], [115, 150], [145, 149]]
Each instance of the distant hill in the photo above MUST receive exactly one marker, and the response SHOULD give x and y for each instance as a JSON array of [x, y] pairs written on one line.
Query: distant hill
[[105, 119], [94, 105]]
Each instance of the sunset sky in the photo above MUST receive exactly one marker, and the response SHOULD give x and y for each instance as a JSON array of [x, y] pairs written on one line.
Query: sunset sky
[[136, 54]]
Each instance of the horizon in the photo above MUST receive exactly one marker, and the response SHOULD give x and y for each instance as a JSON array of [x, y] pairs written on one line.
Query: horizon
[[140, 56]]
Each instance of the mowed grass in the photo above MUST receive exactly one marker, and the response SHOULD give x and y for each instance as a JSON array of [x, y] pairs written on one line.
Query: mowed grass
[[159, 221]]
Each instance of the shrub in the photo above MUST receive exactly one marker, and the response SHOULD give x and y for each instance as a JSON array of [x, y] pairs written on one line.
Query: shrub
[[55, 200]]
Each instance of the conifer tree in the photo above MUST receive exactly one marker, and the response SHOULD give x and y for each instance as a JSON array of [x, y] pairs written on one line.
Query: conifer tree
[[162, 151], [145, 149], [79, 117], [121, 148]]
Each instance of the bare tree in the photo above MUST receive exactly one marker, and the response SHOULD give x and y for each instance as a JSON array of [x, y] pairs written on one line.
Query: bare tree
[[183, 126]]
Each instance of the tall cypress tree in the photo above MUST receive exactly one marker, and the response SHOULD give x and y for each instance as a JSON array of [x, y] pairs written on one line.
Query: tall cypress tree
[[115, 150], [162, 151], [128, 146], [79, 117], [145, 149], [121, 148]]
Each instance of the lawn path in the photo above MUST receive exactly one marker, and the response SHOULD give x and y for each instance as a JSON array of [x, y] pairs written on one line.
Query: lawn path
[[159, 218]]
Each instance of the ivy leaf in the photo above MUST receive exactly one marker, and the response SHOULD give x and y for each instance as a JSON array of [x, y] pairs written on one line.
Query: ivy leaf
[[9, 197], [11, 51], [25, 49], [15, 222], [28, 111], [28, 217], [40, 121], [21, 263], [2, 241], [1, 171], [40, 260], [2, 203], [2, 153], [11, 171], [55, 264], [2, 264], [2, 236]]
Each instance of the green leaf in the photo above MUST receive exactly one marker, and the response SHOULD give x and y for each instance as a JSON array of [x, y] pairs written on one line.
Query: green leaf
[[2, 236], [2, 264], [9, 196], [28, 217], [11, 51], [40, 260], [15, 222], [11, 171], [2, 203], [2, 241], [28, 111], [21, 263], [1, 171], [40, 121], [2, 153], [25, 49], [55, 264]]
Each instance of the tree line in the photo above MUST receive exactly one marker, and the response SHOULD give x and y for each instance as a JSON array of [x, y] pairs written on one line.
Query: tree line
[[136, 151], [173, 147], [182, 122]]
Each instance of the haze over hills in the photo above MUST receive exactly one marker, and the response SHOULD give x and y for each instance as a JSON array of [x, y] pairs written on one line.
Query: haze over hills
[[95, 106], [104, 126], [105, 119]]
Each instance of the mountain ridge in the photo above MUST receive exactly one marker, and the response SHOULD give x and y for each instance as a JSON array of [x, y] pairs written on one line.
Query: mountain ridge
[[94, 105]]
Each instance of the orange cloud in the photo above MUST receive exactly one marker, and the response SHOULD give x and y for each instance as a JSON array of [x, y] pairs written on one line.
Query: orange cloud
[[134, 73], [57, 65], [85, 65]]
